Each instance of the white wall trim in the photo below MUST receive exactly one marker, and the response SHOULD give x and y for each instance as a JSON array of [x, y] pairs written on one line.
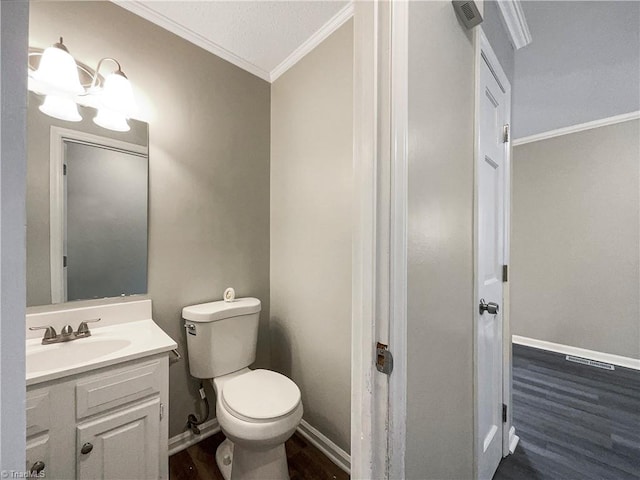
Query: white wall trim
[[516, 23], [147, 13], [333, 452], [513, 440], [144, 11], [398, 225], [184, 440], [621, 361], [369, 389], [603, 122], [313, 41]]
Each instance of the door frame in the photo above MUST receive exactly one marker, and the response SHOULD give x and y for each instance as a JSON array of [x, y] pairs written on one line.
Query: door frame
[[509, 439], [379, 252]]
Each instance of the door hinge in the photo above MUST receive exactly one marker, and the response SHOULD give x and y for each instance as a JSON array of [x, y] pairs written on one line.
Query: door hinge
[[64, 261], [506, 133], [504, 413], [161, 411], [384, 359], [64, 168], [505, 273]]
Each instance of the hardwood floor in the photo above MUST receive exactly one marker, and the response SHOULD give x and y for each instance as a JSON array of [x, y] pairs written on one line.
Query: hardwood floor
[[306, 462], [575, 422]]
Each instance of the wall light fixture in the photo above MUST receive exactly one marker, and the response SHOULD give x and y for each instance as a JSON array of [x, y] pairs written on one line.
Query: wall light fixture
[[57, 77]]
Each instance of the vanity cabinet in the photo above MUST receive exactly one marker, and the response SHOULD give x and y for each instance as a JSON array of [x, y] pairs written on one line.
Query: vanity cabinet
[[106, 424]]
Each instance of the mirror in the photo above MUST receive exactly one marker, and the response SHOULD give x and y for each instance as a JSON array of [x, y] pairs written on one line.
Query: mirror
[[87, 203]]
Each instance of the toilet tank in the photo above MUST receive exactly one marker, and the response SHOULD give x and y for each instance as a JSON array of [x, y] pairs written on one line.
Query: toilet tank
[[221, 336]]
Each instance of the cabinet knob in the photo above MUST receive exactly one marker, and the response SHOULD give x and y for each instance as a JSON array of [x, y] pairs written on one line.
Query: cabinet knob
[[36, 467], [86, 448]]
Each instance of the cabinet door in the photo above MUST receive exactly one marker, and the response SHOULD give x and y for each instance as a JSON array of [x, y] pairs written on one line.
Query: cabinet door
[[124, 444], [38, 452]]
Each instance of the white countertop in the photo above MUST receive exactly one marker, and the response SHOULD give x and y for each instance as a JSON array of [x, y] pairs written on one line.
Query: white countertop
[[108, 345]]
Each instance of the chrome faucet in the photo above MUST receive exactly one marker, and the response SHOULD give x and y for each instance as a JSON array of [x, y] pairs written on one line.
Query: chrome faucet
[[67, 334]]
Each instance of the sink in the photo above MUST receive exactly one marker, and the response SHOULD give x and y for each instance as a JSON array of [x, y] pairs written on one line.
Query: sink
[[58, 356]]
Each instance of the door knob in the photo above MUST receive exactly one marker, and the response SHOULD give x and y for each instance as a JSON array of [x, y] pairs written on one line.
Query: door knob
[[36, 467], [86, 448], [490, 307]]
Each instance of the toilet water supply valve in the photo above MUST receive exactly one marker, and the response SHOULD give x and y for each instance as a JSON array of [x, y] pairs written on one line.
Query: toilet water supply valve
[[192, 420]]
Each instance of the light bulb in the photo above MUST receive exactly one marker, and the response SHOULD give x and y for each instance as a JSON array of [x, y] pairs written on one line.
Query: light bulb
[[57, 73], [60, 107], [111, 120], [117, 94]]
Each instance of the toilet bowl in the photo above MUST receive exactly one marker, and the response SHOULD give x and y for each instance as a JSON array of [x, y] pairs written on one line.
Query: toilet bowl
[[258, 410]]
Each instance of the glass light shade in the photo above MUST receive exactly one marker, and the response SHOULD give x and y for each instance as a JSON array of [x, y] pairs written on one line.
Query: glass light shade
[[111, 120], [117, 95], [60, 107], [57, 73]]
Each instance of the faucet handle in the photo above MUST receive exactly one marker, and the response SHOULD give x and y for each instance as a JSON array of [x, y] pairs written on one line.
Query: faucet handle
[[83, 328], [66, 330], [49, 334]]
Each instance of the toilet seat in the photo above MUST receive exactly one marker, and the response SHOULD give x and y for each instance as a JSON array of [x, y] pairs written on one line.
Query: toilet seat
[[260, 395]]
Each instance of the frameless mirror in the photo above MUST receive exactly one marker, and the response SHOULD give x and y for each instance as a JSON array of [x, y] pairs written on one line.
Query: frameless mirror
[[87, 191]]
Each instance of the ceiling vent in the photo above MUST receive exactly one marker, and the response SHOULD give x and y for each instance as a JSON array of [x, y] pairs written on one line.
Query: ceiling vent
[[468, 12]]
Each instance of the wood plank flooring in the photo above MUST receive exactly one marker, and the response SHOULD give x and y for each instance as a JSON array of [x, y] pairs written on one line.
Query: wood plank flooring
[[306, 462], [575, 422]]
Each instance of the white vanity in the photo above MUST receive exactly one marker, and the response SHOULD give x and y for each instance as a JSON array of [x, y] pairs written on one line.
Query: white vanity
[[97, 407]]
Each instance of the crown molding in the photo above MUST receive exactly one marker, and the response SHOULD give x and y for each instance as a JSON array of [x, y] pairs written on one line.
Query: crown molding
[[603, 122], [516, 23], [316, 39], [147, 13]]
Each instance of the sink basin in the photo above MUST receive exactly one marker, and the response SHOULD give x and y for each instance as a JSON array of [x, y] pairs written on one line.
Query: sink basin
[[108, 345], [58, 356]]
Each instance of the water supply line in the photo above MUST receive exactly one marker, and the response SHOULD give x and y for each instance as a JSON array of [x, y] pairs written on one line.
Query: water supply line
[[192, 420]]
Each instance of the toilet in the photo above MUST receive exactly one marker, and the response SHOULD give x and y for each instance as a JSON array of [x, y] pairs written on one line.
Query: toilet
[[258, 410]]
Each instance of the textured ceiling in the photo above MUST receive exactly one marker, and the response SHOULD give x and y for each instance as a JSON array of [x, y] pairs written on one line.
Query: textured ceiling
[[262, 33]]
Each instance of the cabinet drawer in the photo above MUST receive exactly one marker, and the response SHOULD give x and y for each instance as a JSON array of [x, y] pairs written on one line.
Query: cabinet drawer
[[105, 391], [38, 411]]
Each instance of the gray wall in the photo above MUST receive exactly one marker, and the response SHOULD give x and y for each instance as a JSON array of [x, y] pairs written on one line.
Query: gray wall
[[311, 225], [13, 156], [440, 245], [208, 166], [583, 64], [575, 240], [499, 39]]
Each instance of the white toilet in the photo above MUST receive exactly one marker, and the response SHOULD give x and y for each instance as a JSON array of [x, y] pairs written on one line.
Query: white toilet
[[258, 410]]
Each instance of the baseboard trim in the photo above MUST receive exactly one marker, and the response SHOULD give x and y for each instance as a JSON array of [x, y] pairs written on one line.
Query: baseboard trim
[[603, 122], [333, 452], [621, 361], [184, 440], [513, 440]]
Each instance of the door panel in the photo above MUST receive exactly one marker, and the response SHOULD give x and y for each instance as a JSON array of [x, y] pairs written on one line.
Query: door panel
[[491, 192]]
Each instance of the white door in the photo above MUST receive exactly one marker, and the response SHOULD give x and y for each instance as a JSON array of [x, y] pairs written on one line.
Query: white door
[[121, 445], [491, 176]]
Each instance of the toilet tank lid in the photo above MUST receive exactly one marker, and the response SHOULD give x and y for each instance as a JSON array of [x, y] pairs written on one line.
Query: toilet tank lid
[[212, 311]]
